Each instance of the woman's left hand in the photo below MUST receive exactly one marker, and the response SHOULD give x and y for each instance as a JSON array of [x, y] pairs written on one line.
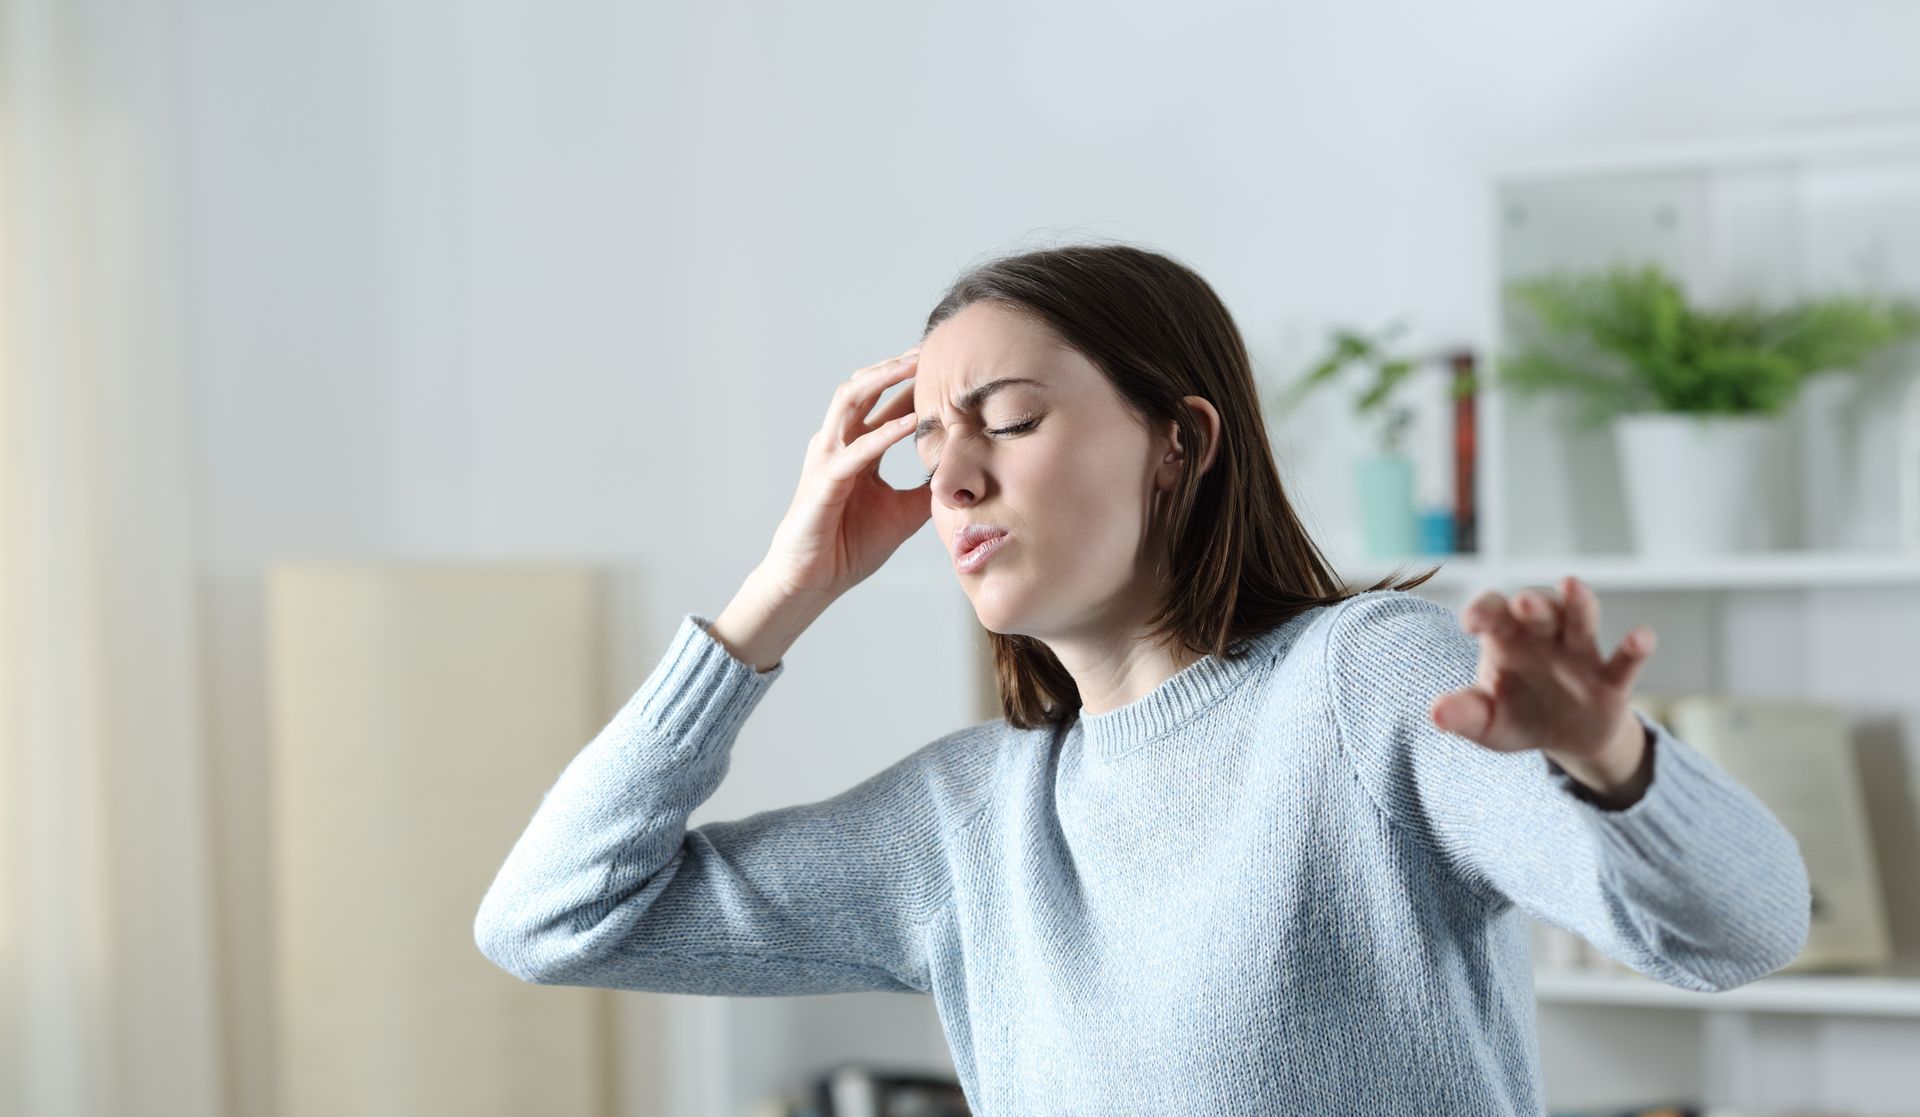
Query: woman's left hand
[[1543, 684]]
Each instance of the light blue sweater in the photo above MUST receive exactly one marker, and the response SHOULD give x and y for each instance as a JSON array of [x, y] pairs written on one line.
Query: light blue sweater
[[1269, 886]]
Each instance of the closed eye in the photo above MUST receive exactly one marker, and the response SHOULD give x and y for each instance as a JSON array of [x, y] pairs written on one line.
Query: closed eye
[[1017, 428]]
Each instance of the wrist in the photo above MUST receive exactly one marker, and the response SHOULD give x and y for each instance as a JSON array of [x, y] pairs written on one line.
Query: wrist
[[1620, 774], [763, 620]]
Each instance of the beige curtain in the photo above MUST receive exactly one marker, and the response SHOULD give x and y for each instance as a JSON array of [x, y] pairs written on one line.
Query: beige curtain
[[107, 982]]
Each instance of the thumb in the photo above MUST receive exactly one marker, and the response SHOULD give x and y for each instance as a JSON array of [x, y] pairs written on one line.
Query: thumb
[[1466, 713], [913, 507]]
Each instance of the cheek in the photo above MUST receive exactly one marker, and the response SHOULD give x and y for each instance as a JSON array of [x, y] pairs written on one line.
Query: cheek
[[1088, 503]]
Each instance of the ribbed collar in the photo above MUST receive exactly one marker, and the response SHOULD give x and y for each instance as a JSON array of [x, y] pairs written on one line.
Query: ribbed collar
[[1178, 700]]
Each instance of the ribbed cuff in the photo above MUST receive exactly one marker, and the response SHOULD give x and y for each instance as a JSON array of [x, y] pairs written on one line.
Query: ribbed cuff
[[1701, 850], [1663, 761], [1686, 789], [698, 691]]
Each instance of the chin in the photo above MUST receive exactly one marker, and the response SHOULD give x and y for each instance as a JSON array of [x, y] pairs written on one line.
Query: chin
[[998, 616]]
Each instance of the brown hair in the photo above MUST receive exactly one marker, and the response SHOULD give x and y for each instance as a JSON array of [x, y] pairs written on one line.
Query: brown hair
[[1240, 562]]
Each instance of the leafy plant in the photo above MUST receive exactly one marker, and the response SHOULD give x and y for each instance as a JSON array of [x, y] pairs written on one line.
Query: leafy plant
[[1349, 348], [1628, 340]]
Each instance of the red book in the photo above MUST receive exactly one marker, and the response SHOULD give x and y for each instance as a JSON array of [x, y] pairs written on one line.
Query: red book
[[1466, 528]]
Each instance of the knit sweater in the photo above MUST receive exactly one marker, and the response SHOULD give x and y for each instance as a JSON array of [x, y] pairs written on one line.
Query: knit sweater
[[1271, 885]]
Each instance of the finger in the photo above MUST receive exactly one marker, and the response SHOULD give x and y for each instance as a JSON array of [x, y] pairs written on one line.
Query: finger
[[1624, 667], [1487, 614], [847, 393], [848, 415], [854, 397], [1537, 612], [864, 453], [901, 404], [1582, 615], [880, 364]]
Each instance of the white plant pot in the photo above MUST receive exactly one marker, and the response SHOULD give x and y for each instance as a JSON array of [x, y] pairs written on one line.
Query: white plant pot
[[1829, 439], [1701, 484], [1908, 481]]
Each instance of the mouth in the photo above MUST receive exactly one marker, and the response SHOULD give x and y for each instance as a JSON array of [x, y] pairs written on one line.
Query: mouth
[[975, 544]]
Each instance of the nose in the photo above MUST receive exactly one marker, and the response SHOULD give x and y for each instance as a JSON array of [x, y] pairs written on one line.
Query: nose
[[957, 482]]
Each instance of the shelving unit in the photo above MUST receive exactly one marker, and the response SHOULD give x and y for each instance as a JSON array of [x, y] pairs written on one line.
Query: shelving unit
[[1784, 570], [1775, 216], [1897, 997]]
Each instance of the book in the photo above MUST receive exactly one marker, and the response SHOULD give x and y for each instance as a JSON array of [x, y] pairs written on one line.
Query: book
[[1797, 757], [858, 1090], [1466, 454]]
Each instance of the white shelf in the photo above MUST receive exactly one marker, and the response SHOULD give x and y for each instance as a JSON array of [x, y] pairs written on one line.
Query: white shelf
[[1839, 995], [1771, 570], [1771, 216], [1761, 146]]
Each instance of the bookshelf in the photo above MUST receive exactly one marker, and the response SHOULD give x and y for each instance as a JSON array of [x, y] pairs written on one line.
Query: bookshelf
[[1775, 215], [1785, 570], [1893, 996]]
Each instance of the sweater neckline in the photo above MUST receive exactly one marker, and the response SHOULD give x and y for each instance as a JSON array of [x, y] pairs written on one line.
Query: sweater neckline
[[1176, 701]]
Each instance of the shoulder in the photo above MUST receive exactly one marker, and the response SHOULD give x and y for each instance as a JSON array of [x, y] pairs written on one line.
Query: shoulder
[[1387, 655], [1389, 616], [1330, 639], [1395, 640]]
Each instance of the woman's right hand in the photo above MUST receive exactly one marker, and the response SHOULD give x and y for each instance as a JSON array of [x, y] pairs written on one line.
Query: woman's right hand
[[845, 522]]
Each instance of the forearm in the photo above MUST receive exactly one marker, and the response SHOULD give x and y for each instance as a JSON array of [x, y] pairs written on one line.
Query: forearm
[[581, 875], [762, 621]]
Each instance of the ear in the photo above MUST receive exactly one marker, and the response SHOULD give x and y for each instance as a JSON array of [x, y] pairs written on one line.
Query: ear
[[1177, 453]]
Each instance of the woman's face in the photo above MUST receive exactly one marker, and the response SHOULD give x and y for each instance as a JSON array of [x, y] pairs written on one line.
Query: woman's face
[[1061, 463]]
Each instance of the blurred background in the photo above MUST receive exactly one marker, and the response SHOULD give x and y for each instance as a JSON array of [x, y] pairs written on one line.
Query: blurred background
[[380, 383]]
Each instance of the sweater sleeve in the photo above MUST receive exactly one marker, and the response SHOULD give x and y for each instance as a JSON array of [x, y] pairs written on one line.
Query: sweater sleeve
[[607, 887], [1695, 884]]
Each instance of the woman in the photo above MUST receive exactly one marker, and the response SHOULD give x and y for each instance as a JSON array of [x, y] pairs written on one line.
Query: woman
[[1243, 842]]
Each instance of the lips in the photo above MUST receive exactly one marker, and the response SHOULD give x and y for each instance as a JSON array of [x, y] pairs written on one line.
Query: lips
[[972, 535], [976, 557]]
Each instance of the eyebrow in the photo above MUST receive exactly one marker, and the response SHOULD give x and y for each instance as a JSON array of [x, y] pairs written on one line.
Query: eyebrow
[[973, 398]]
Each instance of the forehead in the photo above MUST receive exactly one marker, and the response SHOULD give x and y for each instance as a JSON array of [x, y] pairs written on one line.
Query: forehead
[[981, 343]]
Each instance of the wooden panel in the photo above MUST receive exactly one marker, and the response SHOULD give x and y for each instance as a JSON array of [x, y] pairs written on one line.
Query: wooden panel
[[417, 715]]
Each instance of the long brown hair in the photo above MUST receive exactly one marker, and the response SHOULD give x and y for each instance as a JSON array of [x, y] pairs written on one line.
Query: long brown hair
[[1239, 561]]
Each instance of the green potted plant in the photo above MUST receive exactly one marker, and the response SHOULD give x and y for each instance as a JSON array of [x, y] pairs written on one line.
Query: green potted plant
[[1384, 481], [1696, 397]]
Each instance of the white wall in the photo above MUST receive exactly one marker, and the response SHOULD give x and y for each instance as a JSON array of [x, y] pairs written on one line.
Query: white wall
[[576, 279]]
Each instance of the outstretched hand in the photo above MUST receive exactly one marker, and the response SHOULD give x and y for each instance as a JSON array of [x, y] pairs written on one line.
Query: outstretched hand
[[1543, 684]]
